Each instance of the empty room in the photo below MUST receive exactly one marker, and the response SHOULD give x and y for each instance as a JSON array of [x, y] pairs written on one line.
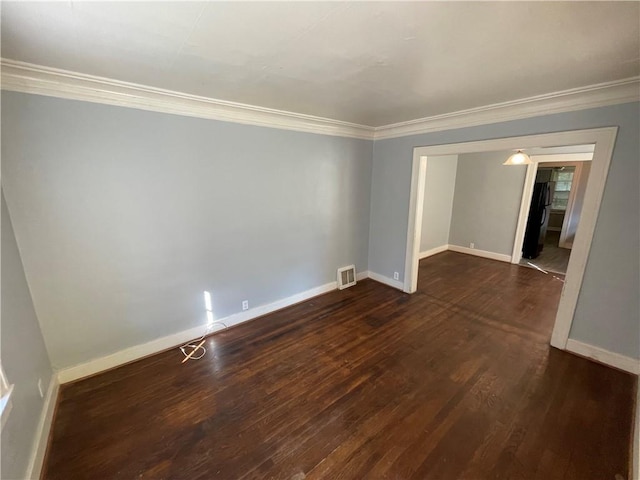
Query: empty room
[[320, 240]]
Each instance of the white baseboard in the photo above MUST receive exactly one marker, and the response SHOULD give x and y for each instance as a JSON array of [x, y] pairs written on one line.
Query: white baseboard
[[635, 464], [130, 354], [600, 355], [361, 276], [139, 351], [386, 280], [433, 251], [481, 253], [41, 440]]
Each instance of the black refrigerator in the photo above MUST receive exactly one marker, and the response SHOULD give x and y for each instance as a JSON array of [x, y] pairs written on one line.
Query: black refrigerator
[[538, 214]]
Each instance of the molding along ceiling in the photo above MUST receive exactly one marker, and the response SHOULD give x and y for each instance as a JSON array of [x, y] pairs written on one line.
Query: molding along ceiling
[[592, 96], [28, 78], [35, 79]]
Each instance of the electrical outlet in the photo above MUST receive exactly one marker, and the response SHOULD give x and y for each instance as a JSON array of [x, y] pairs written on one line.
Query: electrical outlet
[[396, 276], [245, 305], [40, 388], [472, 245]]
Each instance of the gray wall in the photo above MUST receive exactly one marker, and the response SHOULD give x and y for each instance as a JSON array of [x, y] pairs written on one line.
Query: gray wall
[[24, 358], [486, 203], [608, 310], [125, 216], [440, 183]]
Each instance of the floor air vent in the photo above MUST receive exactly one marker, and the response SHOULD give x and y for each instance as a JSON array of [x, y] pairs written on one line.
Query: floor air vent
[[346, 276]]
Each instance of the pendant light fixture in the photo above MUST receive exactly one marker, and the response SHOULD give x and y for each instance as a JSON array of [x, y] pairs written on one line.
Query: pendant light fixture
[[518, 158]]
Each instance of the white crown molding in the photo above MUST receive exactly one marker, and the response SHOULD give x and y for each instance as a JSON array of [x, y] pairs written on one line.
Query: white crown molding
[[36, 79], [29, 78], [592, 96]]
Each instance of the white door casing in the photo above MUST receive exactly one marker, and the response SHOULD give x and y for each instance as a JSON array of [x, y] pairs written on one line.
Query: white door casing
[[602, 138]]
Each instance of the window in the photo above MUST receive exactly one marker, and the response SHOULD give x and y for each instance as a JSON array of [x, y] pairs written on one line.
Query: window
[[5, 397], [563, 178]]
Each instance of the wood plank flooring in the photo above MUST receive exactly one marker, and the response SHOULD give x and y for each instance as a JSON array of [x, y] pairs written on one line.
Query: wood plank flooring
[[553, 258], [455, 381]]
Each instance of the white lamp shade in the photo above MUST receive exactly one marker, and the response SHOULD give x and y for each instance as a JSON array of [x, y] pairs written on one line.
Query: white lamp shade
[[518, 158]]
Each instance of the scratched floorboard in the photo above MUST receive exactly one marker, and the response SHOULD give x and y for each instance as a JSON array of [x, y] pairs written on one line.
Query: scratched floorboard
[[455, 381]]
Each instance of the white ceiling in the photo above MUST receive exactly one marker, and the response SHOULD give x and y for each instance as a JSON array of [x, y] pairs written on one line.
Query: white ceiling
[[368, 63]]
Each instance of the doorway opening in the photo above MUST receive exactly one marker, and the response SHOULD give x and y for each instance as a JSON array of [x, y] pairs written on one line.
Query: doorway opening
[[603, 140], [555, 209]]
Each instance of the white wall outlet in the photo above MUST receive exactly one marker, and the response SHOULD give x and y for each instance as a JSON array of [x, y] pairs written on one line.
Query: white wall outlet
[[245, 305], [472, 245], [396, 276], [40, 388]]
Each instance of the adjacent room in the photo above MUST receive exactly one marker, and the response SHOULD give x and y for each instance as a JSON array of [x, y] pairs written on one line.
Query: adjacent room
[[318, 240], [472, 204], [555, 211]]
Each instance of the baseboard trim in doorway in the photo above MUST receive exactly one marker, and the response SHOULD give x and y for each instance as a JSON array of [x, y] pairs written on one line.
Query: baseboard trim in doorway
[[137, 352], [41, 439], [603, 356], [433, 251], [386, 280], [481, 253], [635, 461]]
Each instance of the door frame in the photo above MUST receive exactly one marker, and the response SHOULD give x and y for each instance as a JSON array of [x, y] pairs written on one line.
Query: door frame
[[571, 205], [604, 141]]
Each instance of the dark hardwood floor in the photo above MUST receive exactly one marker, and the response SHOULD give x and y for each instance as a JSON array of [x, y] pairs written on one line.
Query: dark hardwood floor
[[455, 381]]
